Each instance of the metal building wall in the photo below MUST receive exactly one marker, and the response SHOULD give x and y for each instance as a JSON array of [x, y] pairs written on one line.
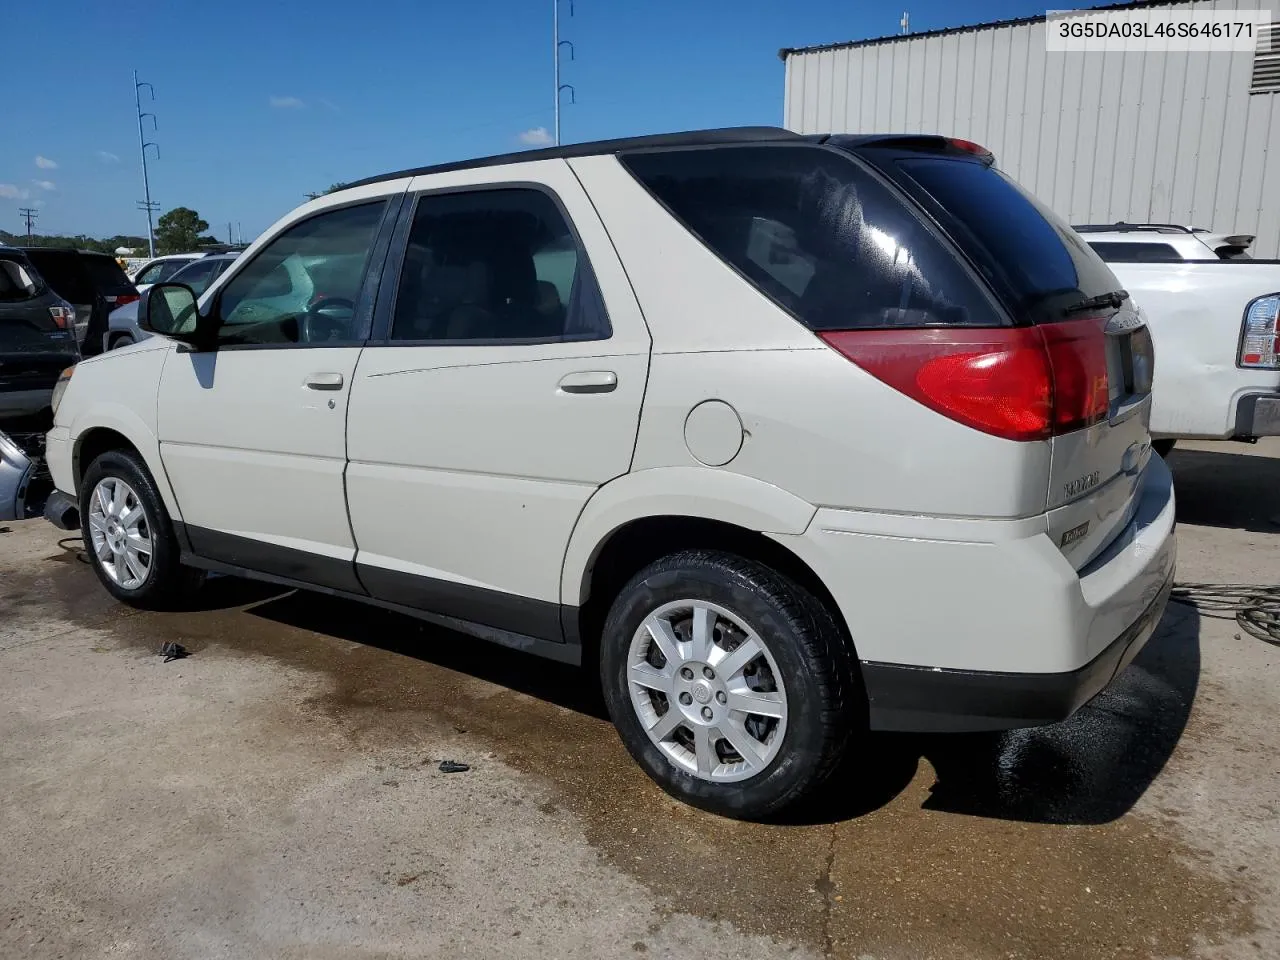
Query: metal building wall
[[1165, 138]]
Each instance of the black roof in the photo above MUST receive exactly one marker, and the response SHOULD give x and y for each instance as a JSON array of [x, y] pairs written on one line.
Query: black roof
[[691, 138], [964, 28]]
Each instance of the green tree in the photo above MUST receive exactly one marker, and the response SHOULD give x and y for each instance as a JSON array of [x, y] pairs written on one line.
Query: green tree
[[178, 231]]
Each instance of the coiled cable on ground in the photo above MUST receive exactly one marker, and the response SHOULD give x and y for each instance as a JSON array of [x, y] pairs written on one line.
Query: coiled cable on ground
[[1255, 608]]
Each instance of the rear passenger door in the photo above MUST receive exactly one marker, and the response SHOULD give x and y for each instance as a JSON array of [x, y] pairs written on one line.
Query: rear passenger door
[[502, 388]]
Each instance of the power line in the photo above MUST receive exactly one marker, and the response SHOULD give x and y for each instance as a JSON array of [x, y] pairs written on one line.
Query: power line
[[29, 214], [147, 204]]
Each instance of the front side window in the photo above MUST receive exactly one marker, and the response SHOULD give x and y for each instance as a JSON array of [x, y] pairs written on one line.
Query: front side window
[[817, 234], [303, 286], [495, 265], [197, 275], [161, 270]]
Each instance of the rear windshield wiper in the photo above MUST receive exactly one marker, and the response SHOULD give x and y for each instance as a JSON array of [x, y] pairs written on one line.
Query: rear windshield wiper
[[1113, 299]]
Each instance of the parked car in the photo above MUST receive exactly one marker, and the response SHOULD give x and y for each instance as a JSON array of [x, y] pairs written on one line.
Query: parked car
[[122, 325], [92, 282], [1214, 315], [37, 342], [37, 337], [161, 268], [795, 436]]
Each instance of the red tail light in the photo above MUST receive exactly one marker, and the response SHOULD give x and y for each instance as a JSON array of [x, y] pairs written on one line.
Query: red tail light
[[1020, 383]]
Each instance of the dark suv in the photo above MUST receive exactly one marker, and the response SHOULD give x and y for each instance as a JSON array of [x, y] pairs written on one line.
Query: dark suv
[[37, 337], [94, 283]]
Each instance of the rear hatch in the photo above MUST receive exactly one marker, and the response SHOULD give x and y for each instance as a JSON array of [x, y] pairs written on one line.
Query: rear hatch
[[1049, 280], [34, 347]]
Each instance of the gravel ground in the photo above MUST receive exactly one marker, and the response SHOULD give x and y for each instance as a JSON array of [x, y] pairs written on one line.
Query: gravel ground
[[277, 794]]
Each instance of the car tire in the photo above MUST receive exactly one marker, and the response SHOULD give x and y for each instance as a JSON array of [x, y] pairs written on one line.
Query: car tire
[[712, 753], [128, 536], [1163, 447], [123, 340]]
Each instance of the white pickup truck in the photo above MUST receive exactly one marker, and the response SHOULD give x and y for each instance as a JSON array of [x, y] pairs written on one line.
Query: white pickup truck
[[1212, 312]]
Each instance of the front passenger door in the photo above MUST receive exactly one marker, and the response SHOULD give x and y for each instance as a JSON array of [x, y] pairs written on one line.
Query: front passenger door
[[253, 433]]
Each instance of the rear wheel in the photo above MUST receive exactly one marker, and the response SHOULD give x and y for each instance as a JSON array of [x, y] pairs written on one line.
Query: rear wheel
[[122, 340], [730, 684], [128, 534]]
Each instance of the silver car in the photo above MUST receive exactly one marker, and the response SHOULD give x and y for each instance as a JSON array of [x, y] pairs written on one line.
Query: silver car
[[122, 325]]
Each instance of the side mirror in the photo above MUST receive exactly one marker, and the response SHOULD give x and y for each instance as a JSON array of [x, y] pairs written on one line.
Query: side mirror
[[171, 310]]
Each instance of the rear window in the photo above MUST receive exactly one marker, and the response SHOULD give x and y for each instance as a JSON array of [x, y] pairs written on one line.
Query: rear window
[[1122, 252], [818, 234], [63, 272], [1032, 257], [18, 280], [108, 277]]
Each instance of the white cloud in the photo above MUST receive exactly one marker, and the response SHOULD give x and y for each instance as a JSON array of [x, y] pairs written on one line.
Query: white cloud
[[45, 184], [106, 156], [285, 102], [535, 137], [44, 163], [9, 192], [330, 105]]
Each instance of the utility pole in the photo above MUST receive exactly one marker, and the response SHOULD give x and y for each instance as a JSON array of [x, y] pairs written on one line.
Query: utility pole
[[146, 204], [558, 43], [28, 214]]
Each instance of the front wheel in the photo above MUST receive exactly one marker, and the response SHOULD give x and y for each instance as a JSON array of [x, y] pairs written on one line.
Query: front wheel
[[730, 684], [128, 534]]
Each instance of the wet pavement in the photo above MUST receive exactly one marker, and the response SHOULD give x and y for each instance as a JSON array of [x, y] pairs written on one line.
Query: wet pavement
[[278, 793]]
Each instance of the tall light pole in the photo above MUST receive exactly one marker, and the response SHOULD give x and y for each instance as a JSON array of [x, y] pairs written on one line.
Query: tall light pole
[[146, 204], [557, 45]]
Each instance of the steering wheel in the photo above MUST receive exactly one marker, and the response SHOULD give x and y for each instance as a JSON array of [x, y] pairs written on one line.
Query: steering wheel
[[318, 325]]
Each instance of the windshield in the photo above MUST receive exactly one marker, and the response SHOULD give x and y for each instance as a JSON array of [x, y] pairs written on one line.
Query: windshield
[[1038, 264]]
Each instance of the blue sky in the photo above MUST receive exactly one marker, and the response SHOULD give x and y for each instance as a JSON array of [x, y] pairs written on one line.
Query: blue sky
[[261, 101]]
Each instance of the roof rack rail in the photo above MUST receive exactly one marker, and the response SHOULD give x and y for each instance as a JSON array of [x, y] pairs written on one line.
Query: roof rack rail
[[1121, 227]]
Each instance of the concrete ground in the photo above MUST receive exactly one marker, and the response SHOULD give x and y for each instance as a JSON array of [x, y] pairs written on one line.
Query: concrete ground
[[277, 793]]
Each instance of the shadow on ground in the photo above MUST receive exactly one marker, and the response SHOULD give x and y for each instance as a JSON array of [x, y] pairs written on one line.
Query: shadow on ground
[[1089, 769], [1221, 489]]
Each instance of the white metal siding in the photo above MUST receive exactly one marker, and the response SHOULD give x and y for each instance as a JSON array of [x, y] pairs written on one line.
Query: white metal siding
[[1100, 137]]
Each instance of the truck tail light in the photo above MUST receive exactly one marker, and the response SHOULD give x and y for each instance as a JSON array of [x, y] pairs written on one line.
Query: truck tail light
[[1260, 338], [1019, 383]]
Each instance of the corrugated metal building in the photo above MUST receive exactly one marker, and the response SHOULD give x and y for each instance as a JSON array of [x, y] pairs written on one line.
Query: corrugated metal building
[[1188, 138]]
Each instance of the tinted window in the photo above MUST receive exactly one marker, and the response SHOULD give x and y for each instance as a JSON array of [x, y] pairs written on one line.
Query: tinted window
[[196, 274], [495, 265], [1032, 257], [302, 287], [107, 277], [816, 233], [63, 272], [1121, 252]]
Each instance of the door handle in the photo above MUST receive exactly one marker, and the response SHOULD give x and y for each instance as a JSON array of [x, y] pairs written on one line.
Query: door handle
[[590, 381], [324, 381]]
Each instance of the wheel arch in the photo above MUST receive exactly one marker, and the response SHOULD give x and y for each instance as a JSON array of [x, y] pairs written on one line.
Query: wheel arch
[[627, 525], [121, 430]]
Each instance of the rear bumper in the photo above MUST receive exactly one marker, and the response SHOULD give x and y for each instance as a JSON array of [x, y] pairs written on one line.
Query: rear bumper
[[1258, 415], [919, 699], [24, 403], [968, 624]]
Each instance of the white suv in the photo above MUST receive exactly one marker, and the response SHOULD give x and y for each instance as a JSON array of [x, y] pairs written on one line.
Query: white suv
[[797, 437]]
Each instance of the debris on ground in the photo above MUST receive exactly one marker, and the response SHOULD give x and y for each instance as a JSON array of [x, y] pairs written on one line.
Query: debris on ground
[[174, 651], [453, 766]]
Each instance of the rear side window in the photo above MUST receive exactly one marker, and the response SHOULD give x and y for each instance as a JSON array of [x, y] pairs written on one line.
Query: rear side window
[[1121, 252], [1033, 258], [817, 234], [161, 270], [495, 266], [107, 276], [196, 274], [18, 281]]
